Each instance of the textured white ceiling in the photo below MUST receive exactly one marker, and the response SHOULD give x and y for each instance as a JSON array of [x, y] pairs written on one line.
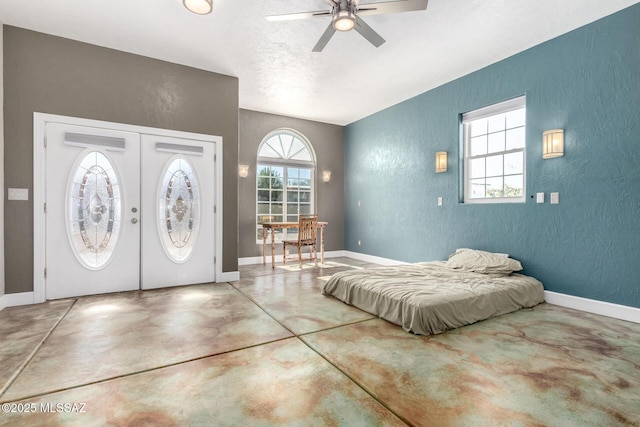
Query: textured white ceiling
[[279, 74]]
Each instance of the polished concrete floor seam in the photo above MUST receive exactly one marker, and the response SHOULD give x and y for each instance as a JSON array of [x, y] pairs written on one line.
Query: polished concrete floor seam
[[262, 308], [300, 337], [141, 371], [354, 380], [297, 335], [335, 327], [37, 348]]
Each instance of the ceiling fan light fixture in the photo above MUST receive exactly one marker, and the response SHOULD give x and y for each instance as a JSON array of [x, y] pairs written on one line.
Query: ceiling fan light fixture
[[344, 20], [200, 7]]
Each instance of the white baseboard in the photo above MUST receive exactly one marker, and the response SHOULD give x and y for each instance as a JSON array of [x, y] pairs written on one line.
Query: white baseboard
[[228, 276], [372, 259], [26, 298], [11, 300], [617, 311], [258, 259]]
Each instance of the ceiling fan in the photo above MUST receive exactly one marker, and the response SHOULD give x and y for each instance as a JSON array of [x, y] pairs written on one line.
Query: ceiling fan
[[345, 15]]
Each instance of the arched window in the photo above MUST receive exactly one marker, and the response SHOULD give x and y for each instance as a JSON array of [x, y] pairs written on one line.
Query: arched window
[[285, 183]]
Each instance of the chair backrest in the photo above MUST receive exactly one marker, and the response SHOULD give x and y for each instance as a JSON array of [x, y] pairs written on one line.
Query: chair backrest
[[266, 218], [307, 227]]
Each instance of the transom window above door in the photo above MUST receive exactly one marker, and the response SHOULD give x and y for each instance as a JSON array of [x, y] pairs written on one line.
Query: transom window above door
[[285, 180]]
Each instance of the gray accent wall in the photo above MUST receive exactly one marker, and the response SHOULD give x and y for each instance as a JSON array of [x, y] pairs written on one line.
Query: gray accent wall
[[48, 74], [2, 291], [327, 142]]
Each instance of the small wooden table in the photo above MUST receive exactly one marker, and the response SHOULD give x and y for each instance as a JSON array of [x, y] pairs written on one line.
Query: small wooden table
[[266, 226]]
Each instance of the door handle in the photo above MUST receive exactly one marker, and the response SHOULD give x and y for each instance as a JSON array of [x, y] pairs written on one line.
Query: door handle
[[134, 220]]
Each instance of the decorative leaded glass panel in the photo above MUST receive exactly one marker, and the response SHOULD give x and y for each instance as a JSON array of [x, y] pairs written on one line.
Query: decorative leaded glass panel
[[93, 210], [178, 209]]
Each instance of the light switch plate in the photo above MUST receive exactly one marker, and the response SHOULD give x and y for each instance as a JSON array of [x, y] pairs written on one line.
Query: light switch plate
[[18, 194], [555, 198], [439, 201], [539, 197]]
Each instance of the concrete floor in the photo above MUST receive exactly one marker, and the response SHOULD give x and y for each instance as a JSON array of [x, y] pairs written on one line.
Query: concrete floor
[[270, 349]]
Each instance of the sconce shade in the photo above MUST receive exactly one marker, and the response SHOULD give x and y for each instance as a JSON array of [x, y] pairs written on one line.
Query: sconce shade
[[552, 143], [326, 176], [243, 171], [201, 7], [441, 161]]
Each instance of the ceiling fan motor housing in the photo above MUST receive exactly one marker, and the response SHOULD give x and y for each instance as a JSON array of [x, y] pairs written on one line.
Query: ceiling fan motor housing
[[344, 15]]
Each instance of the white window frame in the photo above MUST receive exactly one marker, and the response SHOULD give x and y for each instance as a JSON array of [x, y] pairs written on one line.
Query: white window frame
[[483, 113], [285, 163]]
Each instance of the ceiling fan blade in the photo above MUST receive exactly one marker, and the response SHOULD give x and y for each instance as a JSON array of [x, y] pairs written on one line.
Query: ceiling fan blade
[[368, 33], [392, 7], [301, 15], [326, 36]]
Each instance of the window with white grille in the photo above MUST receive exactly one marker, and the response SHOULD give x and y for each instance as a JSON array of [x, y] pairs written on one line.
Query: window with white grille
[[285, 180], [494, 153]]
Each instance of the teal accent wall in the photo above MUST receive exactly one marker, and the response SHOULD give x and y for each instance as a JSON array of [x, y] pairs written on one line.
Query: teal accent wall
[[586, 82]]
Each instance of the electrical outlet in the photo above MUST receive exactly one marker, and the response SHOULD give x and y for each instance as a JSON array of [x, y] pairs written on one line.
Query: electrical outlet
[[555, 198], [540, 198], [359, 242], [439, 201], [18, 194]]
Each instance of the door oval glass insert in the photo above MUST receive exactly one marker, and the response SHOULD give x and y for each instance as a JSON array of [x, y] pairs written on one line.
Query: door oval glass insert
[[93, 210], [178, 209]]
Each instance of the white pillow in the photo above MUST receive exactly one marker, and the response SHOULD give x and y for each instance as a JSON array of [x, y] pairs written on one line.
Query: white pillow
[[482, 262]]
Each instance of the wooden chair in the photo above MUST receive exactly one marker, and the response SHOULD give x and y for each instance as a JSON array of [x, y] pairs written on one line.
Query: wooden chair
[[307, 232]]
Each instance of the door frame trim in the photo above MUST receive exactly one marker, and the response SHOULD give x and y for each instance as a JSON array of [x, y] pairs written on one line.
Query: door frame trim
[[40, 186]]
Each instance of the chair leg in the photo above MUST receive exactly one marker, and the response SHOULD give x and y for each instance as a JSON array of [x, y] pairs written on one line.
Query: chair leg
[[300, 257], [284, 254]]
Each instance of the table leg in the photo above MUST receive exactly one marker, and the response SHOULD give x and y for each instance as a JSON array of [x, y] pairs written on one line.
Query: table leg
[[273, 249], [264, 245], [322, 245]]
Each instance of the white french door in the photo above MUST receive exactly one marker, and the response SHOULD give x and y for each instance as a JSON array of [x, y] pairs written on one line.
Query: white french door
[[126, 211], [92, 211], [178, 206]]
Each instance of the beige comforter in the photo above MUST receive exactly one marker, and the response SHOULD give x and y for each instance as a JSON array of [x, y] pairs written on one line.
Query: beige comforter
[[430, 298]]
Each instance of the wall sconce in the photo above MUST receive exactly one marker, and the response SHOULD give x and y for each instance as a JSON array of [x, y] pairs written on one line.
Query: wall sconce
[[200, 7], [552, 143], [326, 176], [243, 171], [441, 161]]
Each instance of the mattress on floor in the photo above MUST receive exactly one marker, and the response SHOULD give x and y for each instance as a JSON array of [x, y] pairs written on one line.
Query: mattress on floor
[[430, 298]]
